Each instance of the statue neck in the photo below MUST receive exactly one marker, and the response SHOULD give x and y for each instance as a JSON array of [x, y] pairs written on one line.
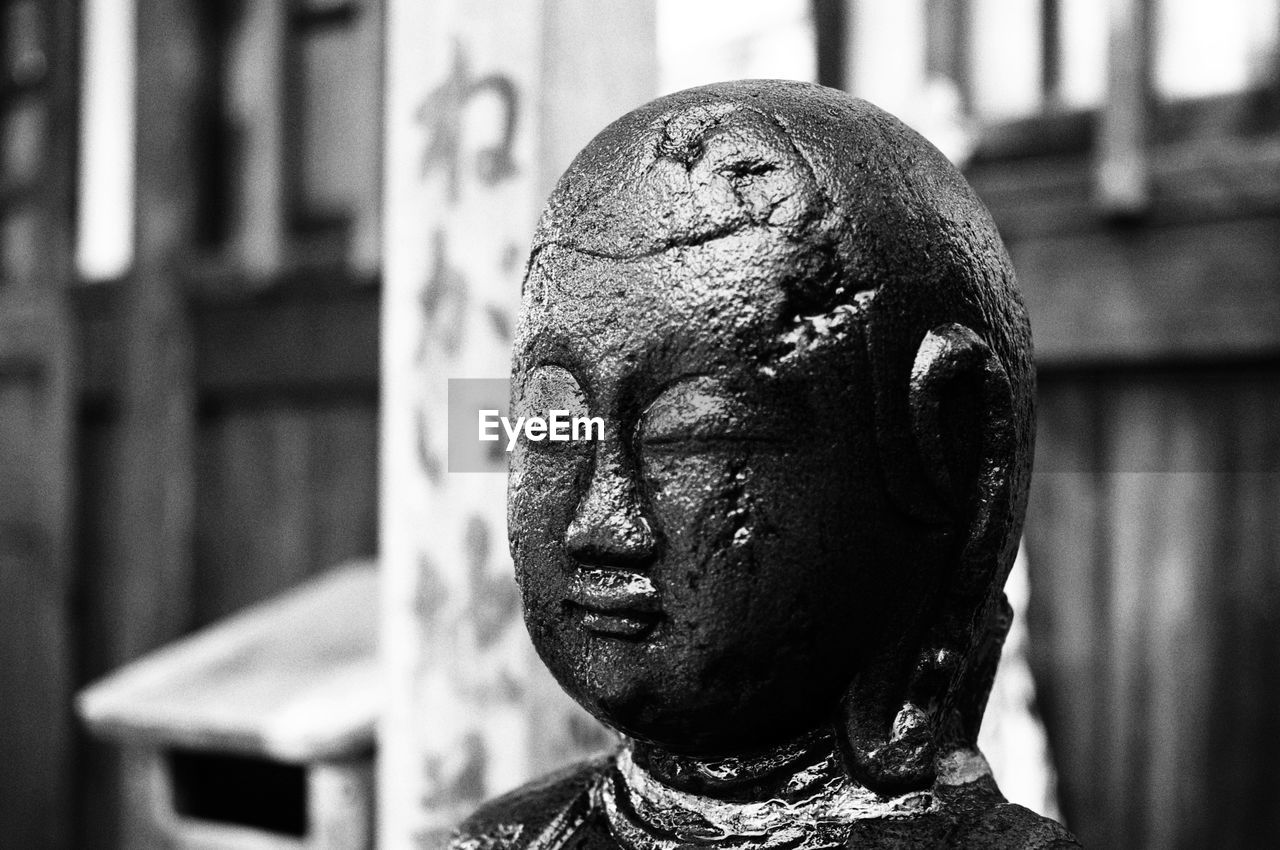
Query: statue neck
[[742, 778], [798, 795]]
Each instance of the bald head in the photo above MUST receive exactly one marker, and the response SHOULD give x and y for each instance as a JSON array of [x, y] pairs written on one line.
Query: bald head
[[801, 330], [845, 199]]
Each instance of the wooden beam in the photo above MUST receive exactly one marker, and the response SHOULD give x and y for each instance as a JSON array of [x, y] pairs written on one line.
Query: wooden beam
[[278, 348], [1196, 279], [1174, 293], [284, 343], [1189, 182]]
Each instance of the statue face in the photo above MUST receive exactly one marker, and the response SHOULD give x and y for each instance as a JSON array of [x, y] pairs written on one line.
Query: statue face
[[710, 575]]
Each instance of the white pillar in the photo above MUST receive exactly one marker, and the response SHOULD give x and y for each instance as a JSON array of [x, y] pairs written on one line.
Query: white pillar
[[887, 63], [104, 245], [487, 101]]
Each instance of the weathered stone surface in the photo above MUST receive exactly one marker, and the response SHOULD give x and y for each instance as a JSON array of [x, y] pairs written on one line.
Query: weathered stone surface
[[778, 574]]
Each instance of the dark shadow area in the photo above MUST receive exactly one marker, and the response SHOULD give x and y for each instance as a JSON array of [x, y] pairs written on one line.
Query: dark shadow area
[[240, 790]]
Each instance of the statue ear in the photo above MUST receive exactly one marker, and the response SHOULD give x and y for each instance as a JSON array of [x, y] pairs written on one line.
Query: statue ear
[[960, 404], [961, 418]]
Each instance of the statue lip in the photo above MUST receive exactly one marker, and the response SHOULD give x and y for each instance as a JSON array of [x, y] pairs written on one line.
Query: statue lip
[[617, 603]]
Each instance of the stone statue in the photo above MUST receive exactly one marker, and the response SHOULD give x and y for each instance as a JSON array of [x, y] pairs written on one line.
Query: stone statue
[[778, 573]]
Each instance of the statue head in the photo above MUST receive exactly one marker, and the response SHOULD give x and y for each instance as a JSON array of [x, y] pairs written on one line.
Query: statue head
[[801, 331]]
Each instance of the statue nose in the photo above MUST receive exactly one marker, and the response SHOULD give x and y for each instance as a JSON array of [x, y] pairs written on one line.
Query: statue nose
[[609, 528]]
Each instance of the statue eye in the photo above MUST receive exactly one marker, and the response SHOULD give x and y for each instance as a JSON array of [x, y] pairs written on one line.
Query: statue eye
[[702, 411], [548, 392], [548, 388]]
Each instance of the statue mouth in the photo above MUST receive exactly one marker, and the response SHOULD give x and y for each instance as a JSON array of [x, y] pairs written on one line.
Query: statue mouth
[[614, 603]]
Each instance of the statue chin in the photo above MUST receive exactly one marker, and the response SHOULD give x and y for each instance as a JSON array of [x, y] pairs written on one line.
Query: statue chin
[[707, 728], [732, 686], [776, 568]]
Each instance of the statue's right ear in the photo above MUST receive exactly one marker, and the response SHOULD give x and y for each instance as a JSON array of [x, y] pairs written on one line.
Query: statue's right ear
[[961, 413], [961, 420]]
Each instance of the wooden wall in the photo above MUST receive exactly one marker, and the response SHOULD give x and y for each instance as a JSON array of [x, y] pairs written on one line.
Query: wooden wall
[[1155, 547], [37, 579], [226, 393], [1152, 527], [286, 490], [1144, 235], [283, 472]]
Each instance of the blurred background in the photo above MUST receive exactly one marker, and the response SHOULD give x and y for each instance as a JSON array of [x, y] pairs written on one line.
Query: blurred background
[[194, 413]]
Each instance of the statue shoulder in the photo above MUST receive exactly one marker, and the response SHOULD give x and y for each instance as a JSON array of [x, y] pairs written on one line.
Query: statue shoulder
[[1015, 827], [538, 811]]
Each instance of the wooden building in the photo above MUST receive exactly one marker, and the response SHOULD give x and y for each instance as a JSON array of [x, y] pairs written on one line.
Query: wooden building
[[190, 424]]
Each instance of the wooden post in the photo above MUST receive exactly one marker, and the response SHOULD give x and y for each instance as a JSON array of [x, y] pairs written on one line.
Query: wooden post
[[830, 25], [1123, 178], [487, 102], [157, 396], [37, 414], [148, 571], [256, 84], [949, 45]]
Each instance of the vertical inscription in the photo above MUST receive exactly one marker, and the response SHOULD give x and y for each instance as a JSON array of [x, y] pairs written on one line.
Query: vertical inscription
[[471, 712], [460, 207]]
